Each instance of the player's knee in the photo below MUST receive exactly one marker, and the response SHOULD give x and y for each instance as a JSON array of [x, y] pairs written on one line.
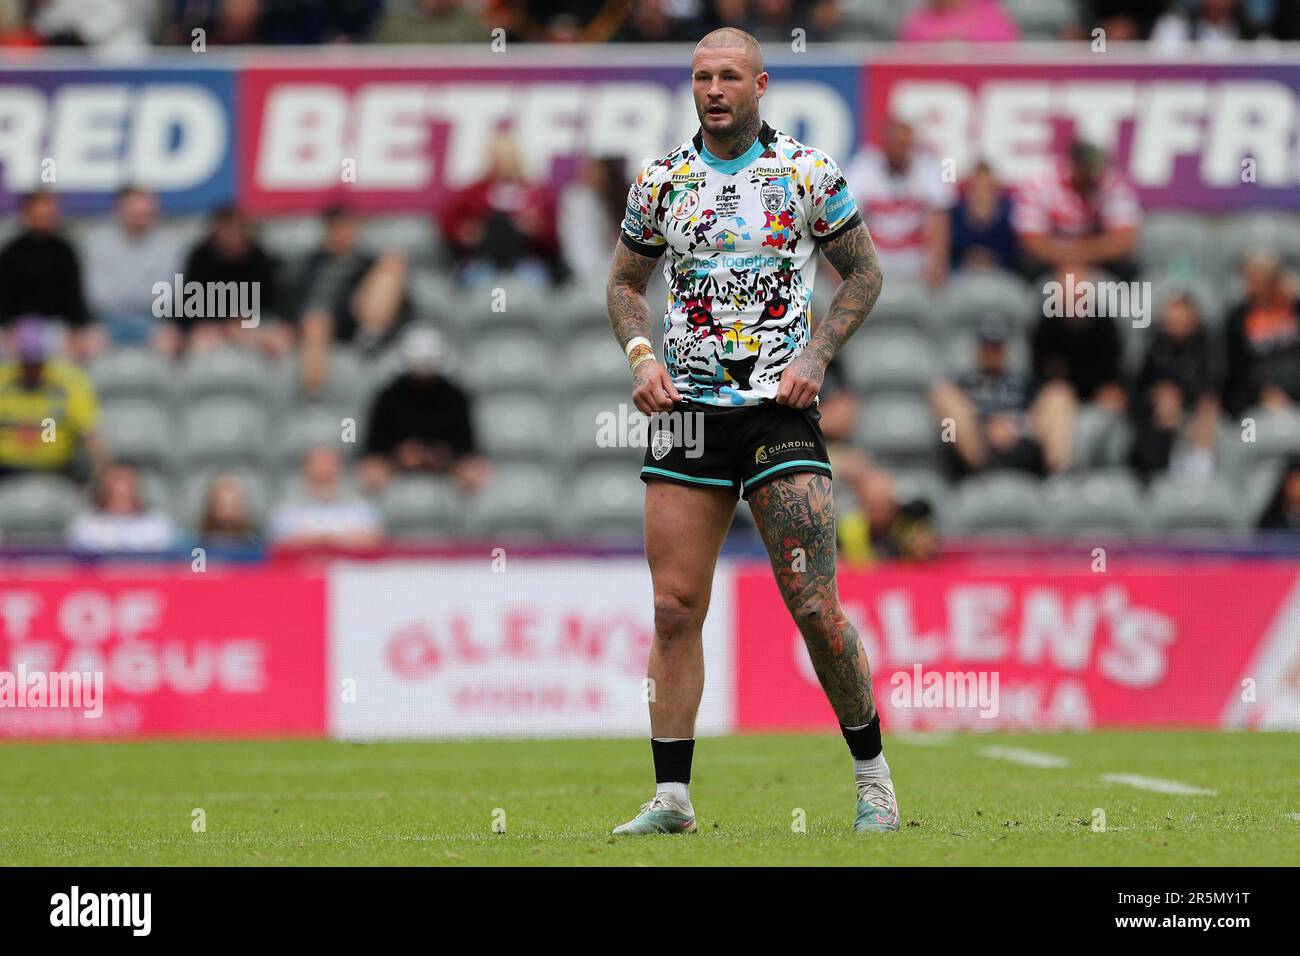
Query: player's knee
[[677, 615]]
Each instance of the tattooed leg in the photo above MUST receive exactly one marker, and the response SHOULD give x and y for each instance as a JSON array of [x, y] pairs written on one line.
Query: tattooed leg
[[798, 512]]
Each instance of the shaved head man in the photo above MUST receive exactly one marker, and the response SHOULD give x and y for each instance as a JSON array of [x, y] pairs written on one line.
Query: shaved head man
[[728, 80], [738, 213]]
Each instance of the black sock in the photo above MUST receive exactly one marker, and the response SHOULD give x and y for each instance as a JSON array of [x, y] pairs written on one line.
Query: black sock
[[672, 760], [864, 743]]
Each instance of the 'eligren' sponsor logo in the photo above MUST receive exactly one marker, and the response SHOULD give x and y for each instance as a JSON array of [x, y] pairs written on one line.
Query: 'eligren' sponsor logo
[[134, 910]]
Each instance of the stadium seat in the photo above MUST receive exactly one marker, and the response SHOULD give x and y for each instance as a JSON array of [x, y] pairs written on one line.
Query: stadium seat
[[225, 431], [593, 361], [292, 237], [872, 19], [1042, 19], [435, 298], [1180, 243], [576, 307], [510, 304], [139, 432], [889, 360], [514, 427], [602, 503], [518, 502], [1100, 438], [415, 236], [923, 484], [420, 506], [132, 373], [901, 304], [996, 503], [1255, 490], [599, 427], [898, 430], [1276, 433], [37, 508], [344, 389], [1179, 506], [1104, 502], [227, 372], [1269, 230], [304, 427], [502, 362], [971, 295]]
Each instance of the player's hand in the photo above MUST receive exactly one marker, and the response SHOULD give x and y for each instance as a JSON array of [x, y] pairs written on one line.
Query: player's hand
[[801, 381], [653, 389]]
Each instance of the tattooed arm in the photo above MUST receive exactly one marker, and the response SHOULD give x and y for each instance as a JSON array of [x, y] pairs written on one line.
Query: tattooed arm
[[853, 255], [629, 315]]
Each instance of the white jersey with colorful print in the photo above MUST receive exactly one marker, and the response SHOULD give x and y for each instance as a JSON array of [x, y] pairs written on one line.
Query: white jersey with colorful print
[[741, 235]]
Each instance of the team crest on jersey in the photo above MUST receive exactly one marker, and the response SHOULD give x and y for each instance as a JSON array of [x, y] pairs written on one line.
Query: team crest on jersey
[[773, 195], [661, 444], [686, 204]]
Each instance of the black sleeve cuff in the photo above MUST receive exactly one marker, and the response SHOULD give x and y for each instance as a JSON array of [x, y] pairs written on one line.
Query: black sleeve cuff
[[641, 248], [856, 220]]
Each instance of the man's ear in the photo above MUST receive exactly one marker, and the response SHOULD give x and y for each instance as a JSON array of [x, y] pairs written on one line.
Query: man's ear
[[761, 80]]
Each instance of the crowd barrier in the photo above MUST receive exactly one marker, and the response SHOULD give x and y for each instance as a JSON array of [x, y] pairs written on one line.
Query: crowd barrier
[[414, 648]]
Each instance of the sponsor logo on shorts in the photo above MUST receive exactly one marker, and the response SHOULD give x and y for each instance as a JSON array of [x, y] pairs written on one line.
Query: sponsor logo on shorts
[[765, 453]]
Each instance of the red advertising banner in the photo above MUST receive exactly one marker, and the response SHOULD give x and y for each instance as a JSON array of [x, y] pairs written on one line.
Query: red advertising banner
[[1205, 645], [175, 653]]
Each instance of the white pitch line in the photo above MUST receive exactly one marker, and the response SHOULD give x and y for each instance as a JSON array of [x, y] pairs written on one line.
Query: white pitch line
[[1027, 758], [1294, 816], [1157, 785]]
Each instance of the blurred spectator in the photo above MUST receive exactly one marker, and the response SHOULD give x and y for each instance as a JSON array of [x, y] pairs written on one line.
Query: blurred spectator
[[591, 207], [1125, 20], [223, 22], [1211, 26], [1175, 408], [230, 254], [905, 200], [662, 21], [421, 421], [227, 518], [324, 511], [348, 296], [1263, 339], [981, 231], [895, 530], [503, 223], [974, 21], [15, 25], [993, 423], [41, 275], [432, 21], [117, 25], [48, 408], [773, 21], [294, 22], [1081, 211], [1076, 358], [118, 519], [1283, 511], [123, 261]]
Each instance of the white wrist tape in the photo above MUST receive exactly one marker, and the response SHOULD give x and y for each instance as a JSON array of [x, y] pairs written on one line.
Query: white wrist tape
[[639, 340]]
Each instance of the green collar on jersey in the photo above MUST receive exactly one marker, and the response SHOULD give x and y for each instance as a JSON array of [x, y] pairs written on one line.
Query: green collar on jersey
[[731, 166]]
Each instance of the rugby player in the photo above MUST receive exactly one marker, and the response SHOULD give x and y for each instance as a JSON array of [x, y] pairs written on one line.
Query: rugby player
[[741, 210]]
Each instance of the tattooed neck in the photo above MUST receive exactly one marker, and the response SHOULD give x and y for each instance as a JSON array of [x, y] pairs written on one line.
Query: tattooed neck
[[743, 138]]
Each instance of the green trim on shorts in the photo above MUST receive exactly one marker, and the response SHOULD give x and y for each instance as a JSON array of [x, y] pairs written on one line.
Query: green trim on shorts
[[802, 463], [722, 482]]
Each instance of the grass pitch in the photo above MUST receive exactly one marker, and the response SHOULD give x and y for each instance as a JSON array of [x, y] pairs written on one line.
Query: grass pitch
[[330, 803]]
